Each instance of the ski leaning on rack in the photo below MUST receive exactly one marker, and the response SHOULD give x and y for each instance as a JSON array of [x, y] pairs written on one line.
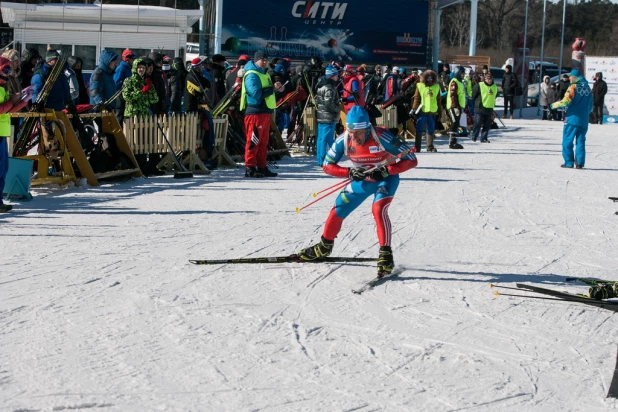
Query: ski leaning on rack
[[23, 136], [283, 259]]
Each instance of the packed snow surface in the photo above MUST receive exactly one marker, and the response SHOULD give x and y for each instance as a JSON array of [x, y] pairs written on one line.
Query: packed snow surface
[[101, 310]]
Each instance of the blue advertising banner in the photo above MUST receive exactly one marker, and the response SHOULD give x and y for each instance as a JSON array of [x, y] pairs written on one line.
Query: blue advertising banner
[[360, 31]]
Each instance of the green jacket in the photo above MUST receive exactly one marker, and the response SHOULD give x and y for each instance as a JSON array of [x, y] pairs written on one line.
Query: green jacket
[[137, 102]]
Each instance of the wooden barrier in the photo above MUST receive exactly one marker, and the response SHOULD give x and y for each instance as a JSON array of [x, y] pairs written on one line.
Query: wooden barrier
[[389, 118], [144, 137], [221, 125]]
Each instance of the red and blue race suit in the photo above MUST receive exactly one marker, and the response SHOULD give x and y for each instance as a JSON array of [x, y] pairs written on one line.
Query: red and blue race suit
[[380, 146]]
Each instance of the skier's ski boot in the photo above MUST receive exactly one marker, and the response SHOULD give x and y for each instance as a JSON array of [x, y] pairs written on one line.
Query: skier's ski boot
[[317, 251], [267, 172], [5, 208], [386, 263]]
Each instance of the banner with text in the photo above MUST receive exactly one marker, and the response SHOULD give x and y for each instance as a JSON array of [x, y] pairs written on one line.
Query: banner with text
[[359, 31], [609, 67]]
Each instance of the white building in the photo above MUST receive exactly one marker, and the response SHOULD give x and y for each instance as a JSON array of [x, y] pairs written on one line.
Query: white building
[[84, 30]]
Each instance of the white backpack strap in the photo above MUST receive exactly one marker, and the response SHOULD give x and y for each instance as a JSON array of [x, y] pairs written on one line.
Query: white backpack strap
[[376, 138]]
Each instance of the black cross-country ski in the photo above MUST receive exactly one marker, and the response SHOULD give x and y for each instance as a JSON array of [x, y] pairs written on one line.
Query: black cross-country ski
[[612, 305], [593, 282], [377, 281], [612, 392], [615, 199], [283, 259], [600, 289]]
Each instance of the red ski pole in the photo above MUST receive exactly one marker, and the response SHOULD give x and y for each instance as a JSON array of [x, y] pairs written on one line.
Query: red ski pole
[[298, 209], [338, 184]]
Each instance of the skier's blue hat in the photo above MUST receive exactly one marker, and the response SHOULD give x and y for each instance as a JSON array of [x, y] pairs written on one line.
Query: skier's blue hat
[[357, 118], [575, 73]]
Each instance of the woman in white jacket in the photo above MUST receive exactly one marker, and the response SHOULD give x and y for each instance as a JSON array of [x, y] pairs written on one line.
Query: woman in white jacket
[[544, 100]]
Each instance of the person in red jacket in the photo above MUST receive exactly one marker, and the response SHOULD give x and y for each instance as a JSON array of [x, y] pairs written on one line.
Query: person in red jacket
[[352, 89]]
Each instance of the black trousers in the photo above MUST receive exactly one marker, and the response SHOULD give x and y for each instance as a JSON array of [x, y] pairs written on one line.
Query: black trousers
[[483, 120], [598, 113], [509, 101]]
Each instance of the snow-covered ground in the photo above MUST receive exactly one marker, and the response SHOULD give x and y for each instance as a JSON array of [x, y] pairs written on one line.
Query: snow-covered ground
[[100, 308]]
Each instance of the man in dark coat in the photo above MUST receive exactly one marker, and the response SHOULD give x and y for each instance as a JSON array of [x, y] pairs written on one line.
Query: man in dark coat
[[599, 90], [29, 61], [59, 95], [510, 83], [158, 82], [217, 71], [176, 84]]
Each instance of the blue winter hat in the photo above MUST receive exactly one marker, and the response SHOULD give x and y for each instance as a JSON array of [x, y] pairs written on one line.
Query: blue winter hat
[[357, 118], [402, 70], [279, 69], [331, 71], [575, 73]]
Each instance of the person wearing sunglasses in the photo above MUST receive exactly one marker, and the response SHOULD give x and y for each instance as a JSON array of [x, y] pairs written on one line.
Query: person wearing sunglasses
[[8, 103]]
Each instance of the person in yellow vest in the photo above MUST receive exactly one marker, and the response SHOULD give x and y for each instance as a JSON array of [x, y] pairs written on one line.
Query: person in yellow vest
[[8, 103], [258, 101], [427, 94], [455, 103], [484, 95]]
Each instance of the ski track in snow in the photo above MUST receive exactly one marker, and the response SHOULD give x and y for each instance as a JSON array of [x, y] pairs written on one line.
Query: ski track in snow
[[100, 309]]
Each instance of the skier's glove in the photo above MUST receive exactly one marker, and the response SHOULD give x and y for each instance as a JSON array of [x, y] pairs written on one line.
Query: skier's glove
[[356, 173], [378, 174]]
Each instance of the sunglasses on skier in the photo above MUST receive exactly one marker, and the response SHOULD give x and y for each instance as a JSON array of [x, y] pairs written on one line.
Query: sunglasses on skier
[[7, 70]]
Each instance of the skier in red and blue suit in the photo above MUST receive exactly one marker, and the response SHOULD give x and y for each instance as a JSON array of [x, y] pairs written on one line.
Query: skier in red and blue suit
[[375, 171]]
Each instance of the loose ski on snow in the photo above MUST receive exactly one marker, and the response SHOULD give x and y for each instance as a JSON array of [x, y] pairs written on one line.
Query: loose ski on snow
[[612, 392], [283, 259], [599, 289], [551, 294], [569, 296]]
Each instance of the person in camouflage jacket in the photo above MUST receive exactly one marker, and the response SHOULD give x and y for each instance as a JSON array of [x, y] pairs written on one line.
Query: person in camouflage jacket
[[138, 91]]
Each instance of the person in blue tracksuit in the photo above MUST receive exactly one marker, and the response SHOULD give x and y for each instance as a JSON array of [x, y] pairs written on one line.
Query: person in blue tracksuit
[[578, 103], [378, 157]]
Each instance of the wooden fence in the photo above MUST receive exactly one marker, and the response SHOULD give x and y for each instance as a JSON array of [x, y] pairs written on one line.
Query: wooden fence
[[182, 131]]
